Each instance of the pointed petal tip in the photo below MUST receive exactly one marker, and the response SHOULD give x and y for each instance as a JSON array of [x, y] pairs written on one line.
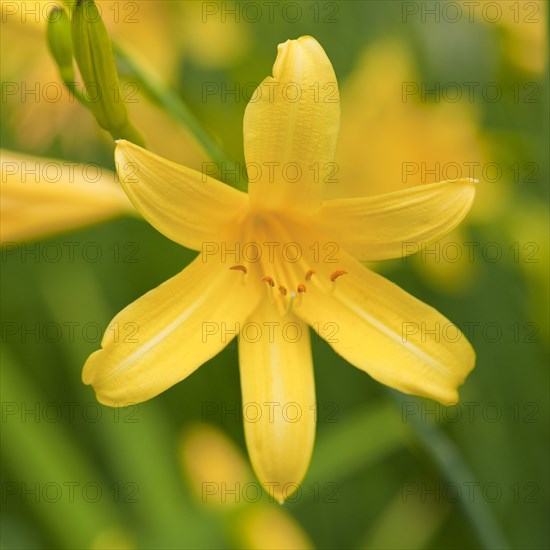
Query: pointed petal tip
[[301, 38], [304, 42], [450, 400], [307, 38], [278, 493]]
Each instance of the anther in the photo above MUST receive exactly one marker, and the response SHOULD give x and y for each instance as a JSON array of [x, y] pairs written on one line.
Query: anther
[[282, 290], [269, 280], [301, 288], [337, 273], [309, 274], [239, 268]]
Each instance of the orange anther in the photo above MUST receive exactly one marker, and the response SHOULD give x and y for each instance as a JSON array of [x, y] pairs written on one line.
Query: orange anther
[[301, 288], [282, 290], [337, 273], [309, 274], [269, 280], [239, 268]]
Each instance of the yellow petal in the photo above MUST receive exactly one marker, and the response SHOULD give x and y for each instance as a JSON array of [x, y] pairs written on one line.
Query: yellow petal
[[183, 204], [291, 128], [399, 223], [383, 330], [264, 527], [214, 466], [168, 333], [42, 196], [278, 398]]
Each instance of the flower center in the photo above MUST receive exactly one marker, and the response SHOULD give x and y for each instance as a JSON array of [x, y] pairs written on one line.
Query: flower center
[[273, 254]]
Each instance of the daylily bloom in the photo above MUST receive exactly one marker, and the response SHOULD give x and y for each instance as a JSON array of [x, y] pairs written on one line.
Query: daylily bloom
[[276, 260], [42, 196], [214, 466]]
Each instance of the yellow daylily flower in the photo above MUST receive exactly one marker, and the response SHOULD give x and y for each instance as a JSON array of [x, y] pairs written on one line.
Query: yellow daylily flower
[[42, 196], [222, 481], [276, 260]]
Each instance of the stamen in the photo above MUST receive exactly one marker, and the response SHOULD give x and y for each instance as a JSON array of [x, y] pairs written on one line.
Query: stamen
[[301, 288], [337, 273], [309, 274], [269, 287], [290, 303], [282, 290], [239, 268], [269, 280]]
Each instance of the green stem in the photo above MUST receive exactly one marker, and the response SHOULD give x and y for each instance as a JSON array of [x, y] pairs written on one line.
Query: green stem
[[172, 103], [449, 459], [75, 91]]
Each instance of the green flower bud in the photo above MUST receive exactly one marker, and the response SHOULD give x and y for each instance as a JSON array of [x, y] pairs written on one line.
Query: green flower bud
[[58, 34], [93, 52]]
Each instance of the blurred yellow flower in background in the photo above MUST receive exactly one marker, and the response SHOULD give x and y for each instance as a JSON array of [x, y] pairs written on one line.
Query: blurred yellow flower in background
[[222, 481], [43, 196], [525, 30], [288, 125], [382, 118], [35, 103], [385, 116], [41, 112]]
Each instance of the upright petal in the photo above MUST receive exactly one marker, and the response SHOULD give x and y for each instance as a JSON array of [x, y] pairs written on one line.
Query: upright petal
[[168, 333], [291, 128], [183, 204], [399, 223], [379, 328], [278, 398], [42, 196]]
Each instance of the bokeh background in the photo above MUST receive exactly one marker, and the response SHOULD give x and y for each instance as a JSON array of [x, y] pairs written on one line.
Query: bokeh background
[[427, 89]]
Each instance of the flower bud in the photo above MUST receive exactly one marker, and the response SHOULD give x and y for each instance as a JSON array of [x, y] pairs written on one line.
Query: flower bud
[[93, 52], [59, 42]]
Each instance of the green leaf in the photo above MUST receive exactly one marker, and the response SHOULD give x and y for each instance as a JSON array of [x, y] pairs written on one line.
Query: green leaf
[[453, 466], [369, 436]]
